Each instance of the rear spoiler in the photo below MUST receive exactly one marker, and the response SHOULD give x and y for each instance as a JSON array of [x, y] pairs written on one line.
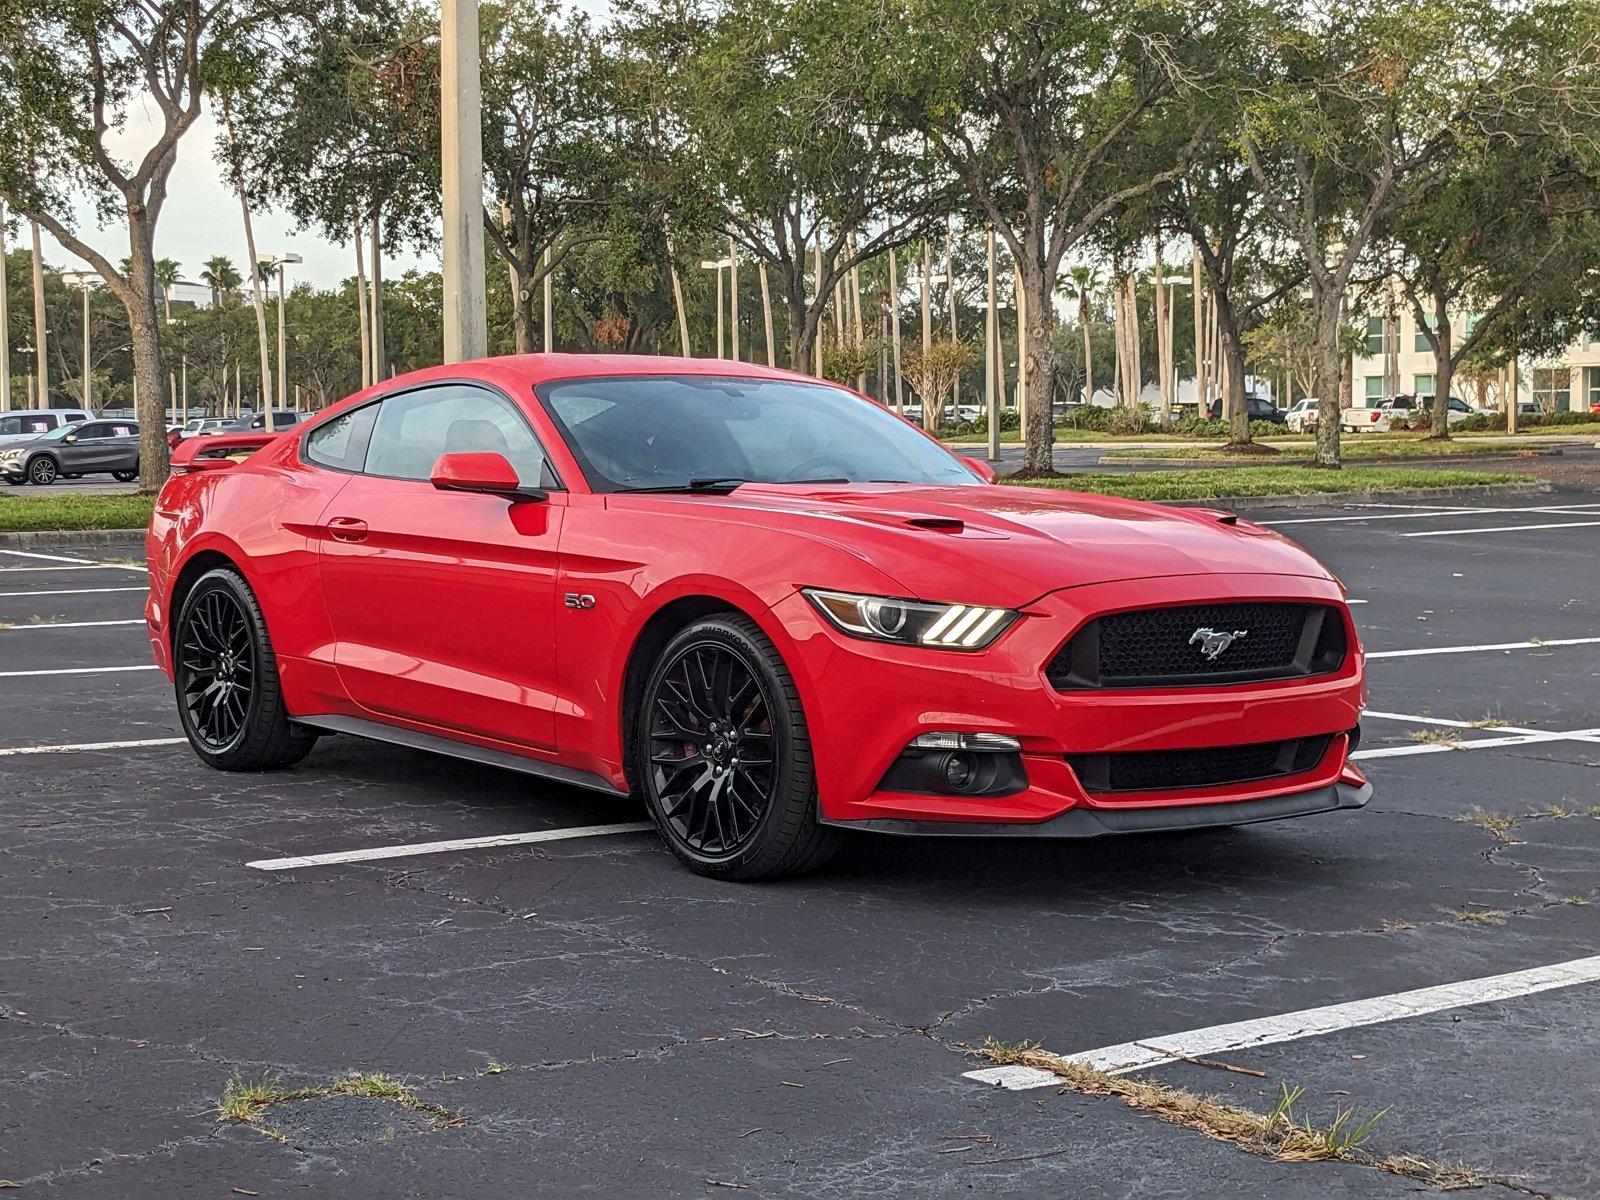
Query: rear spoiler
[[217, 451]]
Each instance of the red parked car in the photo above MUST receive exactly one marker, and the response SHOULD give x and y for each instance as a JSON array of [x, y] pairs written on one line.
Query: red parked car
[[760, 601]]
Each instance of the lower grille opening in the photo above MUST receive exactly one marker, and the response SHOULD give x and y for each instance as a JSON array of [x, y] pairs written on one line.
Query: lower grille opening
[[1214, 766]]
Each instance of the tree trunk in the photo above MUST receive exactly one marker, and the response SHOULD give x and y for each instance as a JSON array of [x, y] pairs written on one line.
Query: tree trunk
[[1327, 374], [1088, 348], [140, 302], [1232, 354], [1040, 370], [521, 309], [1443, 368]]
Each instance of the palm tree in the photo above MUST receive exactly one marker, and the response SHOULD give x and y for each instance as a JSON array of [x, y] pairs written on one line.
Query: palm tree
[[221, 276], [167, 272], [1084, 281]]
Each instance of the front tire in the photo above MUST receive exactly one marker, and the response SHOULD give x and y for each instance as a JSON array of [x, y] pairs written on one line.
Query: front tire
[[226, 678], [723, 756], [43, 471], [125, 476]]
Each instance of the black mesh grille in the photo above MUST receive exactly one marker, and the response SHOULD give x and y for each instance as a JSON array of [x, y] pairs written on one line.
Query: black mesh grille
[[1164, 647], [1160, 770]]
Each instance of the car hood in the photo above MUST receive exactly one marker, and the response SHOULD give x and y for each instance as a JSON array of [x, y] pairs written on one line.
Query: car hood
[[1011, 545]]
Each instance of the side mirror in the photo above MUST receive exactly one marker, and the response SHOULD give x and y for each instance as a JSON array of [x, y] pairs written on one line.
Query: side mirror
[[69, 439], [982, 466], [483, 472]]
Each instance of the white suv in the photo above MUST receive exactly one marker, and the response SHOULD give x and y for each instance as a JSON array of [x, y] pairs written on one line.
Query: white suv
[[23, 424]]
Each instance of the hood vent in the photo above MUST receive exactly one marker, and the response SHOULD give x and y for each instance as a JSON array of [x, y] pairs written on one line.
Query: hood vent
[[938, 524]]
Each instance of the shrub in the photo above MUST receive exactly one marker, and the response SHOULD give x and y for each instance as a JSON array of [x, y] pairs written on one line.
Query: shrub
[[1009, 422], [1200, 427], [1266, 429], [1127, 420]]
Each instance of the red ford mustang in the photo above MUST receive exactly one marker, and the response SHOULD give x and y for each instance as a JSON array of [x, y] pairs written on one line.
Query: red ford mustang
[[764, 603]]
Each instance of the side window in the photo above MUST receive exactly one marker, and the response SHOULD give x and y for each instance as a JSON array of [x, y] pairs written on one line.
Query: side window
[[43, 423], [93, 432], [10, 425], [71, 417], [415, 428], [342, 442]]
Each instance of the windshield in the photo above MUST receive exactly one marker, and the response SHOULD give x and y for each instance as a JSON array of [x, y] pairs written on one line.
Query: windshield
[[669, 431], [59, 432]]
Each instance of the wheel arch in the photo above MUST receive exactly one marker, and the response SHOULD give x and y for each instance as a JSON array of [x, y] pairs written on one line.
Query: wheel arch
[[194, 567], [660, 628]]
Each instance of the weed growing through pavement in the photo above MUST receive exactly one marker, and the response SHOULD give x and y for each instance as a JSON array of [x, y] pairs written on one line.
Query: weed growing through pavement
[[1435, 737], [246, 1100], [1478, 916], [1283, 1133]]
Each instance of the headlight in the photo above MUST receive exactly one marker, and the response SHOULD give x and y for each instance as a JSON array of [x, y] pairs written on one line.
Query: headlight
[[910, 622]]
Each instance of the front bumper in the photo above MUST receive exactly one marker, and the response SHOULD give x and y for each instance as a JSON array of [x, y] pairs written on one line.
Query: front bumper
[[1100, 822], [866, 701]]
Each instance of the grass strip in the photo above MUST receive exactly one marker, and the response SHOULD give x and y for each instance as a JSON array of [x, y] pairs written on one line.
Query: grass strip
[[23, 514], [1276, 480]]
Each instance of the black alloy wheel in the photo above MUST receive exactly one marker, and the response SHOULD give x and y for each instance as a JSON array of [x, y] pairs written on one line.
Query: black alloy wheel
[[723, 756], [216, 669], [226, 678], [43, 470]]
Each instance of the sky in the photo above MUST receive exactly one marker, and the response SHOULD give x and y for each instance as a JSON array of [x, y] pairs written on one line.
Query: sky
[[202, 218]]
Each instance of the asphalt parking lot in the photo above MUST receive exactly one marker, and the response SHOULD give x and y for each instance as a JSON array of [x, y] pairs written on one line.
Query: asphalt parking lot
[[581, 1016]]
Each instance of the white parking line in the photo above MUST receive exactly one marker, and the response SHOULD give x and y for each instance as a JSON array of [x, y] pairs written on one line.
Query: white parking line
[[62, 558], [479, 843], [1418, 512], [1529, 645], [69, 624], [1502, 529], [1311, 1022], [77, 671], [1523, 739], [71, 567], [78, 592], [76, 746]]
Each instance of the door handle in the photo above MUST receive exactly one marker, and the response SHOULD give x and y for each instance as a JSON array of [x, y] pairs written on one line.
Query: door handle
[[347, 529]]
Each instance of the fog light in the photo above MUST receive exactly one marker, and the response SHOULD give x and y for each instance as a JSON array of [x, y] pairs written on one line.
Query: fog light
[[958, 771], [977, 743]]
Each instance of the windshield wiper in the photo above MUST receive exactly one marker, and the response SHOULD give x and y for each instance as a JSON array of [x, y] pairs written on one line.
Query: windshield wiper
[[718, 486]]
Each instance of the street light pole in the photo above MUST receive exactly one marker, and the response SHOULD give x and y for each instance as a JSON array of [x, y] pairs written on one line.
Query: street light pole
[[717, 264], [461, 131], [84, 280], [5, 320], [40, 333]]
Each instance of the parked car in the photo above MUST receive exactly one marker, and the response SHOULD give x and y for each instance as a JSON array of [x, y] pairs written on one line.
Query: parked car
[[1302, 415], [1259, 408], [68, 451], [757, 600], [282, 418], [1381, 417], [28, 424]]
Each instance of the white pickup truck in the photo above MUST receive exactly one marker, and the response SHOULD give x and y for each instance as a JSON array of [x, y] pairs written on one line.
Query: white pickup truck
[[1380, 417]]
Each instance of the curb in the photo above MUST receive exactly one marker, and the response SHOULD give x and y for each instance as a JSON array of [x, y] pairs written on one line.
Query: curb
[[1335, 499], [74, 537], [1499, 457]]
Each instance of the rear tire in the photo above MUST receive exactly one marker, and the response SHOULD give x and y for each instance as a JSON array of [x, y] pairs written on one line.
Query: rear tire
[[723, 756], [225, 674], [125, 476]]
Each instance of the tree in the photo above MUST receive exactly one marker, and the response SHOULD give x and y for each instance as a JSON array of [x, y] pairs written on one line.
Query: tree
[[566, 158], [70, 70], [1358, 115], [168, 272], [1085, 280], [1042, 109], [801, 153], [1512, 232], [221, 276]]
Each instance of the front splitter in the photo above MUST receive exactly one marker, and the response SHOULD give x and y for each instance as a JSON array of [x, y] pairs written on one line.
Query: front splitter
[[1106, 822]]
